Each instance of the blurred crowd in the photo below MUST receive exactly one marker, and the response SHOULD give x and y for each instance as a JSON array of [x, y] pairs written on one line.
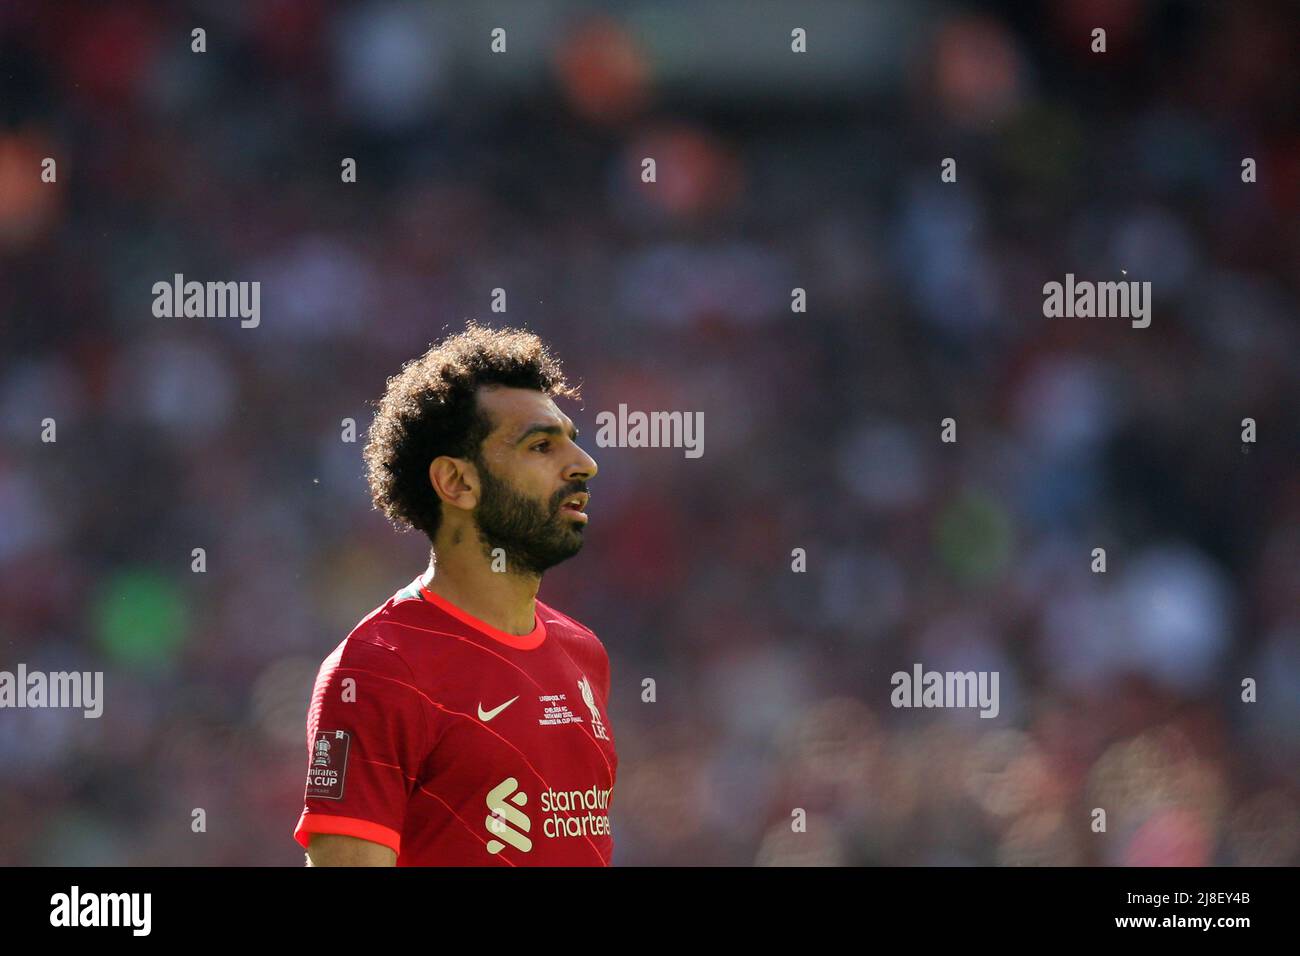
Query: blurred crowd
[[770, 739]]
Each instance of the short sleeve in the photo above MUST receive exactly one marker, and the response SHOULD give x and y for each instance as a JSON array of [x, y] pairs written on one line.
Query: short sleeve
[[367, 738]]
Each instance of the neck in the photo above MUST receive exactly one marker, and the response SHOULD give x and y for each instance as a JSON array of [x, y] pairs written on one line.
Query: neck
[[460, 573]]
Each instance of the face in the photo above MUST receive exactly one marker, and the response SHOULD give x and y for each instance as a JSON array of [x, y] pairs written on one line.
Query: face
[[529, 467]]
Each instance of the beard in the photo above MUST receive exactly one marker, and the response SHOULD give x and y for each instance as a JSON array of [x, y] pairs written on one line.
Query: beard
[[534, 536]]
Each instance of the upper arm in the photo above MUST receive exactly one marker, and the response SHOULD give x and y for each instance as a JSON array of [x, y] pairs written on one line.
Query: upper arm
[[335, 849], [367, 739]]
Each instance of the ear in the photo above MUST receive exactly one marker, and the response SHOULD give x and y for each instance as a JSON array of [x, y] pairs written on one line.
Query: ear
[[455, 480]]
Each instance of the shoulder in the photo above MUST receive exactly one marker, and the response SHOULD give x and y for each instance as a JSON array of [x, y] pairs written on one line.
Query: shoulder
[[575, 635], [568, 625], [373, 645], [370, 679]]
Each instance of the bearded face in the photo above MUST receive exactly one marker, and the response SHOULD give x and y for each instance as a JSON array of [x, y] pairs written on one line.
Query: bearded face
[[535, 535]]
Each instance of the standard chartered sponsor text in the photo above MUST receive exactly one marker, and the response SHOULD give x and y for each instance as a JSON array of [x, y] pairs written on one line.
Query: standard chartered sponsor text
[[562, 804]]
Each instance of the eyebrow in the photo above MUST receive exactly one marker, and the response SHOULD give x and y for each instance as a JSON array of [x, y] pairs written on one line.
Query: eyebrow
[[545, 429]]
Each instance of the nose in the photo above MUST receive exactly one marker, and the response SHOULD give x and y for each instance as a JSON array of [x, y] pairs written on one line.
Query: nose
[[582, 470]]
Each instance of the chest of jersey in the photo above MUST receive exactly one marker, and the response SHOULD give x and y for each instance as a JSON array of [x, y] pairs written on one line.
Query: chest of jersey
[[522, 750]]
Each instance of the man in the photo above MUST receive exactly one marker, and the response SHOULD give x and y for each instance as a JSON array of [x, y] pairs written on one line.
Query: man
[[463, 722]]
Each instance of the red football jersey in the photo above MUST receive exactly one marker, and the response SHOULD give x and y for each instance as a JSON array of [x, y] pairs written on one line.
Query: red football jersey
[[457, 744]]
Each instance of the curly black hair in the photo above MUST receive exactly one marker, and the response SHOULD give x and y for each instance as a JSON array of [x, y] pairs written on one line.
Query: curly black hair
[[429, 408]]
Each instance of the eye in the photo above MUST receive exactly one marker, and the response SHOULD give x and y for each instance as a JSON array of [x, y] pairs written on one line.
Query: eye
[[541, 444]]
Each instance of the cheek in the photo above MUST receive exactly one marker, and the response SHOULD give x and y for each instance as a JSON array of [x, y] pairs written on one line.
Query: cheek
[[536, 482]]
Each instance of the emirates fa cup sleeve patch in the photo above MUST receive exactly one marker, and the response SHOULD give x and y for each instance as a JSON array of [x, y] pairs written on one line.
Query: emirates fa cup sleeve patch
[[329, 764]]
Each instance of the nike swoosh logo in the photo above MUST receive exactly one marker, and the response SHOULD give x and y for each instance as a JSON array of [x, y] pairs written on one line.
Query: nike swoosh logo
[[489, 714]]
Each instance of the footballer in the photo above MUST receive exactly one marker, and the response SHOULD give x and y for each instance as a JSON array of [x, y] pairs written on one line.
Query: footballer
[[463, 722]]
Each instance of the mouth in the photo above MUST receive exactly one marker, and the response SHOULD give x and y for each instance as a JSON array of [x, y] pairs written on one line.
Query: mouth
[[574, 504]]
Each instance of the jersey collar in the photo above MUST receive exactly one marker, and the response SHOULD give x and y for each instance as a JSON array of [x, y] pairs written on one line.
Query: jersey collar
[[520, 642]]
